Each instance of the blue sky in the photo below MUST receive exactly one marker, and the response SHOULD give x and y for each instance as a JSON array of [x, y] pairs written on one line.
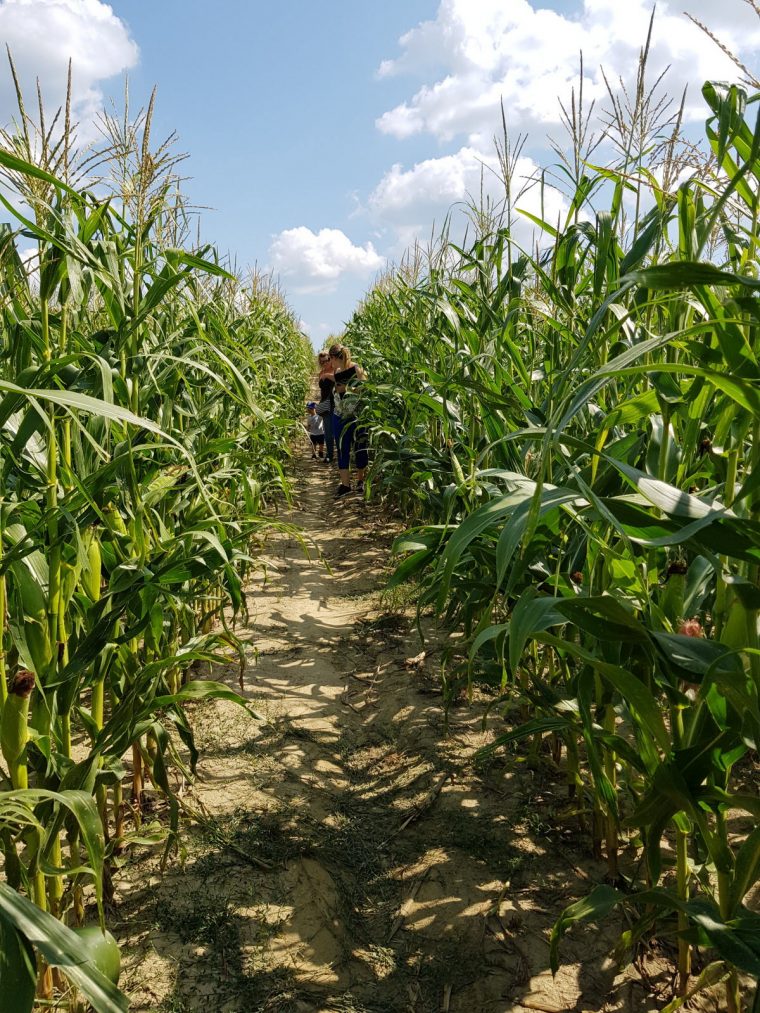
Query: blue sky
[[327, 136], [276, 104]]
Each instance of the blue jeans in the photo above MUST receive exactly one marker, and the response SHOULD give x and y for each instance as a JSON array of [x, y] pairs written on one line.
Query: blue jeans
[[346, 434], [327, 421]]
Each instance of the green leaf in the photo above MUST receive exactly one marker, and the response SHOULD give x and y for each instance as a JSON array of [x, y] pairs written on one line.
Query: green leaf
[[695, 657], [202, 689], [20, 165], [537, 726], [179, 256], [709, 977], [528, 513], [668, 498], [597, 905], [85, 403], [476, 523], [18, 970], [633, 691], [60, 947], [604, 788], [739, 949], [530, 615], [485, 636], [410, 566], [82, 806], [746, 868], [688, 274]]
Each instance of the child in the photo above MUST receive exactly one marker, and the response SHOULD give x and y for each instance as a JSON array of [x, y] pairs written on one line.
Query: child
[[316, 430]]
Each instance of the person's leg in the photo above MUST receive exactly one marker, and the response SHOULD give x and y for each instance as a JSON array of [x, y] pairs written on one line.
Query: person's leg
[[343, 434], [313, 446], [321, 446], [329, 439], [337, 428]]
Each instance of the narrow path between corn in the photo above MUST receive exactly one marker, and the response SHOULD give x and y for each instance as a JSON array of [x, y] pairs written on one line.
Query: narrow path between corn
[[351, 858]]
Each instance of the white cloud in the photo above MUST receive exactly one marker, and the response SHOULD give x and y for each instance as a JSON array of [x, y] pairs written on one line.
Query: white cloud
[[409, 200], [316, 261], [30, 258], [317, 332], [44, 34], [476, 55], [733, 16], [433, 184]]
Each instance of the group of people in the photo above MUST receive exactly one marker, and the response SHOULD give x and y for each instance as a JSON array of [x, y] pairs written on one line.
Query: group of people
[[332, 422]]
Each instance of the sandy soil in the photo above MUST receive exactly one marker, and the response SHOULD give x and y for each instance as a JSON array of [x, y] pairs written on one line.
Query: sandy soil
[[348, 855]]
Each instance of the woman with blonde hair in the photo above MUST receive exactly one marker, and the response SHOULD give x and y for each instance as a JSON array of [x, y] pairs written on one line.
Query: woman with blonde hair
[[348, 376]]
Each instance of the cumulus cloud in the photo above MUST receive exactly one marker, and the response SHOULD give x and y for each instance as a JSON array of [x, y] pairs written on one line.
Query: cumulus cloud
[[476, 55], [408, 200], [428, 184], [316, 261], [317, 333], [44, 34], [462, 64]]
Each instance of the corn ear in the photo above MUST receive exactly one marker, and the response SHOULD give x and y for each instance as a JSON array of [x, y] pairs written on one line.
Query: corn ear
[[91, 574], [14, 727], [35, 636]]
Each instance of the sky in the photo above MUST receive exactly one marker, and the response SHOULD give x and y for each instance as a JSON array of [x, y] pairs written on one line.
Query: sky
[[326, 137]]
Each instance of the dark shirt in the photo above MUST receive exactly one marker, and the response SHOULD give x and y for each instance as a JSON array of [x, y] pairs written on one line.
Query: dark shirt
[[326, 389], [345, 375]]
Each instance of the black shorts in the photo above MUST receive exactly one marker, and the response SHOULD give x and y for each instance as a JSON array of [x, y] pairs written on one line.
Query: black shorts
[[317, 440]]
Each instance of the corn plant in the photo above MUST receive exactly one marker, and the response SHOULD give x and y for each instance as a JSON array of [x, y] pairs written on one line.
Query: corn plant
[[148, 398], [575, 433]]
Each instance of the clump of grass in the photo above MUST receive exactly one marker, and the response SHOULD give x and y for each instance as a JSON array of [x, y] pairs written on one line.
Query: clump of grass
[[454, 961], [273, 836], [389, 623], [205, 920], [483, 840], [173, 1003], [348, 1003]]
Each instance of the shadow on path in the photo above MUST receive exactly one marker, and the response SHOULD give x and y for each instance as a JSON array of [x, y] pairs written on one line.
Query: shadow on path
[[351, 857]]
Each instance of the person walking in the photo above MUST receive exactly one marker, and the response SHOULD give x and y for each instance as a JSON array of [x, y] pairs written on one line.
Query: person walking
[[347, 432], [326, 402]]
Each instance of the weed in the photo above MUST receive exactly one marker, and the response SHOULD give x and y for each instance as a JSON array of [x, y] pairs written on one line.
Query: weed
[[347, 1003], [483, 840], [207, 921], [272, 835], [173, 1003]]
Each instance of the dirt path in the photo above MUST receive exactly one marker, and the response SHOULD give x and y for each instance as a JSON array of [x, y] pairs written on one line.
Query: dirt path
[[352, 859]]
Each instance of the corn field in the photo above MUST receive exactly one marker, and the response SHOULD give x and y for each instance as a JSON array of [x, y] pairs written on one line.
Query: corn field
[[573, 432], [148, 399]]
